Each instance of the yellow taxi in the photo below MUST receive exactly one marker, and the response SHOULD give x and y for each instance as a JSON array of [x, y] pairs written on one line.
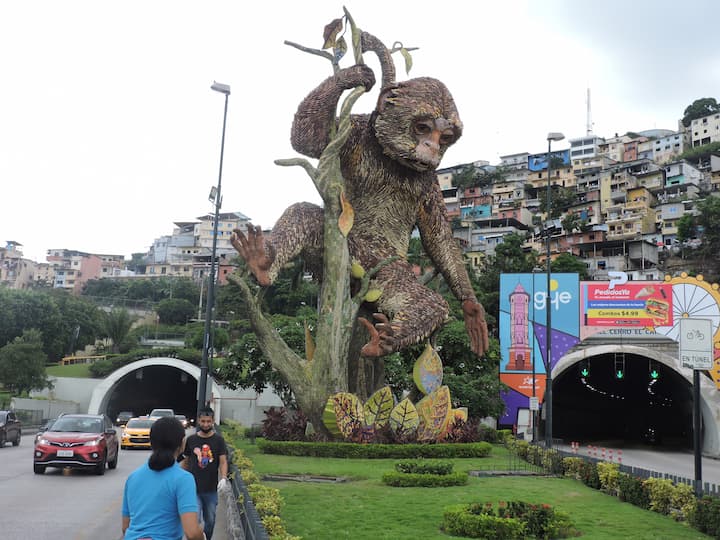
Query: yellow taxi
[[136, 433]]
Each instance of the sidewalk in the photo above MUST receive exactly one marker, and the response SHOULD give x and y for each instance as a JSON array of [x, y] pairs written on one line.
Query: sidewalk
[[220, 532]]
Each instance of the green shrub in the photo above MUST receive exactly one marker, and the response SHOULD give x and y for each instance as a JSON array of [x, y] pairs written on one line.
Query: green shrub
[[514, 519], [632, 489], [424, 467], [608, 474], [677, 500], [705, 517], [396, 479], [589, 474], [552, 461], [375, 451], [571, 467], [458, 521]]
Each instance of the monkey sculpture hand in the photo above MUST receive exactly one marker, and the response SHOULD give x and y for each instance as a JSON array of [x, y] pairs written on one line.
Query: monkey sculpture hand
[[388, 164]]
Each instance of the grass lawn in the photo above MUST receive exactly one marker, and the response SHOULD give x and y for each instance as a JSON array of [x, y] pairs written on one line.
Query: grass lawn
[[365, 508], [81, 371]]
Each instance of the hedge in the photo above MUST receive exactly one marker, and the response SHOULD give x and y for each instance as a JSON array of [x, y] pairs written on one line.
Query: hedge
[[397, 479], [375, 451]]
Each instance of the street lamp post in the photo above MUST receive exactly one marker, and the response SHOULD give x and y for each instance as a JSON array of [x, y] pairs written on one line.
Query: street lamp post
[[553, 136], [217, 199]]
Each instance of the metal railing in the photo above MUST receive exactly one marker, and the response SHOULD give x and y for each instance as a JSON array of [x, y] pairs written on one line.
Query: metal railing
[[252, 527]]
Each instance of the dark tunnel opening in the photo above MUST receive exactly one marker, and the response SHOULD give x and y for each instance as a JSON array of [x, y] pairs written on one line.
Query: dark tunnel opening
[[152, 387], [626, 397]]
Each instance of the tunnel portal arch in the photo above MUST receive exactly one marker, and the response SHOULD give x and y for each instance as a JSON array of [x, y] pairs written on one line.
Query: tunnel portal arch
[[103, 391], [709, 395]]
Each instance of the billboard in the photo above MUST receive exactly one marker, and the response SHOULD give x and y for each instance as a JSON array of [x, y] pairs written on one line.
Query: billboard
[[523, 339], [538, 162], [642, 304]]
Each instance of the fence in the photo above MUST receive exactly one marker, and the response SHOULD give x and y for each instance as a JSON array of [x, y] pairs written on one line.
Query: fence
[[252, 527], [639, 472]]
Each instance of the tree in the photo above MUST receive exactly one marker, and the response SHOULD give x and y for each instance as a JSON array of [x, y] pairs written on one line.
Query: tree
[[22, 363], [708, 220], [686, 228], [220, 338], [699, 108], [175, 311], [118, 323], [560, 200], [571, 222], [569, 263], [472, 176]]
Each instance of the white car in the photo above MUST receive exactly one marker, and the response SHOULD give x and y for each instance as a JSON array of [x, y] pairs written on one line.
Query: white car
[[159, 413]]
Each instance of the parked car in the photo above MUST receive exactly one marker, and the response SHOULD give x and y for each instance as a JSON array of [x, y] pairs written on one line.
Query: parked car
[[183, 420], [79, 441], [158, 413], [123, 417], [136, 433], [10, 428]]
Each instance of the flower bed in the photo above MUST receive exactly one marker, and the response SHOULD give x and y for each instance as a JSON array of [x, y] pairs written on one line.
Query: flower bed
[[507, 520]]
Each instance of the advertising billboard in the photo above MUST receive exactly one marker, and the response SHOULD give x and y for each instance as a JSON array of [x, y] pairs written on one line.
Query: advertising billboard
[[642, 304], [523, 339], [538, 162]]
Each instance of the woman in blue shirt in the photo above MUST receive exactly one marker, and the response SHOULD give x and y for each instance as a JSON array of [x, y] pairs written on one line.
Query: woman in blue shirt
[[159, 501]]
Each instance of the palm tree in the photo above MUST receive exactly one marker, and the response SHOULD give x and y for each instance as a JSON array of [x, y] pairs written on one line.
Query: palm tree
[[117, 326]]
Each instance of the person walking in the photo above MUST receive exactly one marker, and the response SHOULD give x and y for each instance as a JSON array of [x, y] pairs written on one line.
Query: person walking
[[159, 500], [206, 458]]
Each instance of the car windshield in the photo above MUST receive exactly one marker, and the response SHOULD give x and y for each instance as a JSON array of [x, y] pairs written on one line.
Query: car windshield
[[139, 424], [78, 425], [3, 417], [161, 412], [126, 414]]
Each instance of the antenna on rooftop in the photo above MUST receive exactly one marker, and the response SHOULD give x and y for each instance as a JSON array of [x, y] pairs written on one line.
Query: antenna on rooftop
[[589, 125]]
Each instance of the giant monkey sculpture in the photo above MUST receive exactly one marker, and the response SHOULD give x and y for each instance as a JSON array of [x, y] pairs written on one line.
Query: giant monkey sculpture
[[388, 164]]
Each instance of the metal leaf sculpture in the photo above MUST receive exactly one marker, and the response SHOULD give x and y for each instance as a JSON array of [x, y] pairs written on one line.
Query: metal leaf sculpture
[[378, 407], [434, 411], [404, 418], [428, 371], [343, 415]]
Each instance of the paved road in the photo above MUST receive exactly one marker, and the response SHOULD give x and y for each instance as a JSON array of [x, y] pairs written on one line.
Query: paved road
[[72, 505]]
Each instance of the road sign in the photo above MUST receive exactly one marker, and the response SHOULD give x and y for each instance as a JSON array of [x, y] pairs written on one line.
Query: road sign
[[696, 343], [534, 404]]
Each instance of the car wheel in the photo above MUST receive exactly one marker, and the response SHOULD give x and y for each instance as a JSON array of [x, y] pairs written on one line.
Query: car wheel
[[123, 447], [16, 442], [113, 464], [2, 440], [100, 468], [38, 469]]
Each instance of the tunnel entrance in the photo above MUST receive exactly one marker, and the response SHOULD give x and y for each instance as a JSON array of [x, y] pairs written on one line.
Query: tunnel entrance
[[623, 397], [150, 387]]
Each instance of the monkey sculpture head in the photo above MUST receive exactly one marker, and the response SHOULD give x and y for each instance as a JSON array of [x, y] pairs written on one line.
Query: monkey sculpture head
[[416, 121]]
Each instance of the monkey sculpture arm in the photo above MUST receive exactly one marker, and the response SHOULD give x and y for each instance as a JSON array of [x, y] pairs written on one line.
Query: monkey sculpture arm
[[316, 114], [442, 248]]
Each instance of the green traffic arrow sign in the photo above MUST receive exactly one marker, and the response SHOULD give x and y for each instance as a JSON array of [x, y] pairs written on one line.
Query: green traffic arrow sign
[[654, 374], [619, 374], [585, 372]]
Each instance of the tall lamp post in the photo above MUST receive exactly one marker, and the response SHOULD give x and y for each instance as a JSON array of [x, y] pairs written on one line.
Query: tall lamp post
[[215, 196], [553, 136]]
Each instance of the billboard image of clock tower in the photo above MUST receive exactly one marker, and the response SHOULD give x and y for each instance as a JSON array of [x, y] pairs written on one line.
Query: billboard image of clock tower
[[520, 351]]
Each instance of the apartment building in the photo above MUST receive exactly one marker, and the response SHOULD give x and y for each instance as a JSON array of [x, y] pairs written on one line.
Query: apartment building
[[70, 269], [705, 130], [16, 272]]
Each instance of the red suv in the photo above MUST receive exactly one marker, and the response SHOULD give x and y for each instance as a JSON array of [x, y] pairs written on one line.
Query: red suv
[[79, 441]]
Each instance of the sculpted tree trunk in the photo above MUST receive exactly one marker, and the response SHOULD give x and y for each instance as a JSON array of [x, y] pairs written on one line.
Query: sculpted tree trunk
[[314, 380]]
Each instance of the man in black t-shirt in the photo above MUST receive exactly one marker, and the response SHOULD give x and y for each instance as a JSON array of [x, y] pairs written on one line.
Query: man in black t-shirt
[[206, 456]]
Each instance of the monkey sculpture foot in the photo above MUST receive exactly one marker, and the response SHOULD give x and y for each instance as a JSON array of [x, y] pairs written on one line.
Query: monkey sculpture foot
[[252, 249]]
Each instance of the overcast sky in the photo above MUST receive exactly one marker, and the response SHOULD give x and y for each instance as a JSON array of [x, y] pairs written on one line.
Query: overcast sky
[[109, 132]]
